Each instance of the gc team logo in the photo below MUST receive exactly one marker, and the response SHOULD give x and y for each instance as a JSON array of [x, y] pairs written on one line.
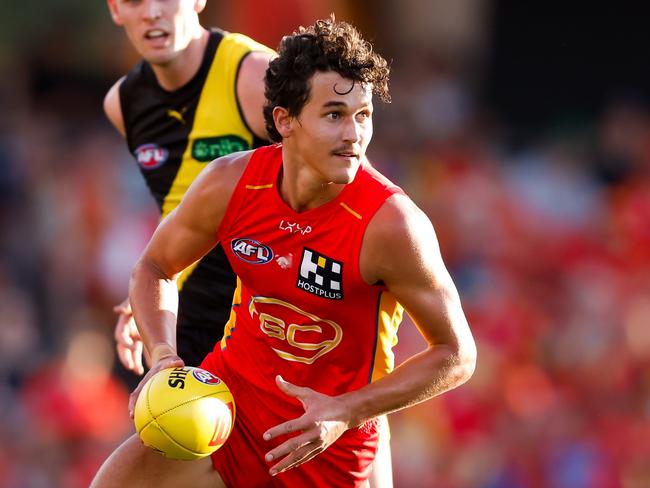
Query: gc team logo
[[294, 334], [205, 377], [151, 156], [251, 251]]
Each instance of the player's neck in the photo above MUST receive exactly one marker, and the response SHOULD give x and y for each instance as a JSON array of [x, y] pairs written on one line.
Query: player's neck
[[303, 189], [183, 67]]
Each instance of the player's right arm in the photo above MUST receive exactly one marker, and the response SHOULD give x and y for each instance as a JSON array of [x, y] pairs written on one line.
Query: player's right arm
[[113, 108], [182, 238]]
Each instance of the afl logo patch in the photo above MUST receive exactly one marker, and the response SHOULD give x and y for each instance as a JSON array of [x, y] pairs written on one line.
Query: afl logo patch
[[205, 377], [151, 156], [251, 251]]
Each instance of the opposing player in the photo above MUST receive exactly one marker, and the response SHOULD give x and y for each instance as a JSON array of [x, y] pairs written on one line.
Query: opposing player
[[326, 249], [196, 95]]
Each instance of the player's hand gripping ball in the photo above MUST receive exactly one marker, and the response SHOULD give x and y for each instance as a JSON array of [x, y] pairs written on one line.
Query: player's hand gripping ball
[[184, 413]]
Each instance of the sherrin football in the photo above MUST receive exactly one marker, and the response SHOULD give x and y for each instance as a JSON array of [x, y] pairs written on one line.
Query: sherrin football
[[184, 413]]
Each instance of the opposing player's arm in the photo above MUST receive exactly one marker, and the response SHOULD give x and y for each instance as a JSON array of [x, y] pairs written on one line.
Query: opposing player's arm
[[250, 90], [401, 250], [182, 238], [113, 108]]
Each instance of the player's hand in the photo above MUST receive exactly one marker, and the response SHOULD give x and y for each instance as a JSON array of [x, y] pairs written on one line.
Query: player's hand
[[163, 361], [324, 421], [127, 339]]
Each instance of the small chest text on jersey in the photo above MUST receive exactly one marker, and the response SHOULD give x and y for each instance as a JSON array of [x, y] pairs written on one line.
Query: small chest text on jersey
[[292, 227]]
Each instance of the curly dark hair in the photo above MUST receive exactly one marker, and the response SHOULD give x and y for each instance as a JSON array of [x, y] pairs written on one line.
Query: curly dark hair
[[327, 45]]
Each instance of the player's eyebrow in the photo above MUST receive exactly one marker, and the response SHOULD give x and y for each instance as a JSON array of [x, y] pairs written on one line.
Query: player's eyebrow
[[334, 103]]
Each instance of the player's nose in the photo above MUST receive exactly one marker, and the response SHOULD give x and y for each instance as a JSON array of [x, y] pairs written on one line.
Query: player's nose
[[151, 9], [352, 131]]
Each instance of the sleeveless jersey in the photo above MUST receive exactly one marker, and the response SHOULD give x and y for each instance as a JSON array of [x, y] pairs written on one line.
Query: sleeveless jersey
[[173, 135], [304, 311]]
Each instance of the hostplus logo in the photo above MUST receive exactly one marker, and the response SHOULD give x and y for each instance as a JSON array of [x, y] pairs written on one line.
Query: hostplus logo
[[320, 275]]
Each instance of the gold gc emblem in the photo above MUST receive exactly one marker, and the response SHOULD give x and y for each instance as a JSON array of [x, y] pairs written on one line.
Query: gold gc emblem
[[301, 336]]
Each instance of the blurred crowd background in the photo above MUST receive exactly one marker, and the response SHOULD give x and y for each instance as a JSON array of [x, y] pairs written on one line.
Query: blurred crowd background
[[521, 128]]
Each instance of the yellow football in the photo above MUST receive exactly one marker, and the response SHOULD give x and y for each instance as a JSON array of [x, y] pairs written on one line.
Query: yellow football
[[184, 413]]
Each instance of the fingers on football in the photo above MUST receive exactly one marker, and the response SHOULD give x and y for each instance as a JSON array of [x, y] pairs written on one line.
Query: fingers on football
[[171, 362], [134, 395]]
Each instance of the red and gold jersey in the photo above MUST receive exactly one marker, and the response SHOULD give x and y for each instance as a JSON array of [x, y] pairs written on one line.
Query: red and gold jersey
[[305, 311]]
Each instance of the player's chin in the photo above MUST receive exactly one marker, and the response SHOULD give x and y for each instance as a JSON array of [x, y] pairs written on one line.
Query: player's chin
[[343, 178], [345, 169], [158, 57]]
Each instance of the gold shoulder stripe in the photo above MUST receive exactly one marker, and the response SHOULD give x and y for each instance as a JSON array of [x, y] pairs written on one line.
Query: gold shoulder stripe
[[351, 211], [389, 318], [259, 187], [232, 321]]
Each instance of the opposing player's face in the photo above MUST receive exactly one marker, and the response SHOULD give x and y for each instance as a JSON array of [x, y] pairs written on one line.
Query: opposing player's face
[[333, 130], [158, 29]]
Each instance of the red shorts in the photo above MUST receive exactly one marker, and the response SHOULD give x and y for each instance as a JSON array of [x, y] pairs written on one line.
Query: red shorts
[[240, 461]]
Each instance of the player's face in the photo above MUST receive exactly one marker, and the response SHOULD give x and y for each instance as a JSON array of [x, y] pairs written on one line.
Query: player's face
[[158, 29], [333, 130]]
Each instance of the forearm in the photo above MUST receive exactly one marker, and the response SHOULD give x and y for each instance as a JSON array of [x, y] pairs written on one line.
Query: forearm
[[154, 300], [438, 369]]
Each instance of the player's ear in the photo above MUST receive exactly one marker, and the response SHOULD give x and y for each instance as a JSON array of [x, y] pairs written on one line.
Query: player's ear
[[199, 5], [283, 121], [115, 14]]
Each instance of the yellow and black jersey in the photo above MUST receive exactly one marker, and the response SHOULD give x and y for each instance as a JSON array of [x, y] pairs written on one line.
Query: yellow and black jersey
[[173, 135]]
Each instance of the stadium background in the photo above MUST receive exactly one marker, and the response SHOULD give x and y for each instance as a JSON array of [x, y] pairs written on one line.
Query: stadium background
[[521, 128]]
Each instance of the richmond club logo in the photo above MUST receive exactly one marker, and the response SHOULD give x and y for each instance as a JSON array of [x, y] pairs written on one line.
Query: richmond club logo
[[320, 275], [151, 156], [251, 251]]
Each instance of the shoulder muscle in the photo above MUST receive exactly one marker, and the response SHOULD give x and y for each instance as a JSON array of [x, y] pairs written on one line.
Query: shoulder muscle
[[250, 90], [209, 195], [113, 108], [190, 230], [400, 241]]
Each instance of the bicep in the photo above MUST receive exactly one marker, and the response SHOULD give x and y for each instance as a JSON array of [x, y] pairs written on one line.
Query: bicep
[[250, 90], [178, 242], [411, 267], [113, 108], [189, 232]]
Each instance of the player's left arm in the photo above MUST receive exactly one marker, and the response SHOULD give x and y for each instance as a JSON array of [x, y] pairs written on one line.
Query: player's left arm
[[250, 90], [400, 249]]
